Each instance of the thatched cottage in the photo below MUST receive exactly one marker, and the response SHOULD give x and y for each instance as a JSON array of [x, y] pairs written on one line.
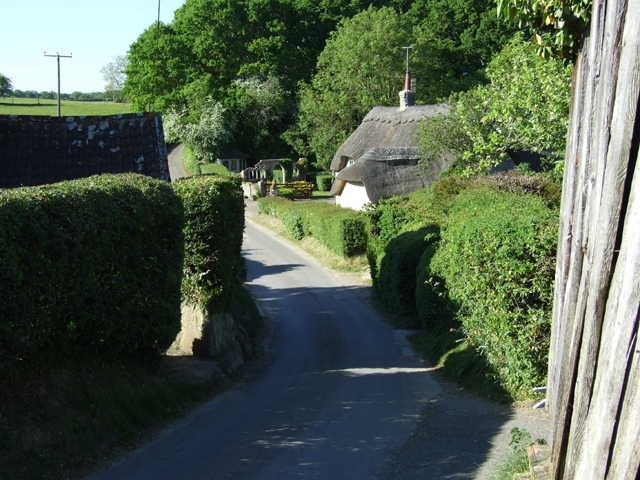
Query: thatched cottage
[[380, 158]]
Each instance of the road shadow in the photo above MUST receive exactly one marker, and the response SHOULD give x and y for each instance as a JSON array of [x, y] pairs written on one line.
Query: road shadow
[[256, 270]]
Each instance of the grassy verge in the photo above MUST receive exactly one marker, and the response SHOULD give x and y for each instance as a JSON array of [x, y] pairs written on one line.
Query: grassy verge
[[314, 248], [31, 106], [518, 461], [63, 421]]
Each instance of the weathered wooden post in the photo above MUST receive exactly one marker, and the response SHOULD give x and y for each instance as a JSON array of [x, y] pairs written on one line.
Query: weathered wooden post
[[594, 364]]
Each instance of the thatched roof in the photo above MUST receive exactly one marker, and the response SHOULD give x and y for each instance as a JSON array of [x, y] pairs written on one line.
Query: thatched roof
[[387, 172], [385, 127]]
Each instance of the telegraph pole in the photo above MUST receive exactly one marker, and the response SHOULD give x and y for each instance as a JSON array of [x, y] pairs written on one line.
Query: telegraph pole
[[58, 57]]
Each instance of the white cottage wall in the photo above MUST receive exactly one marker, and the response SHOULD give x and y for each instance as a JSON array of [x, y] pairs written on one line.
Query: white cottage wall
[[354, 196]]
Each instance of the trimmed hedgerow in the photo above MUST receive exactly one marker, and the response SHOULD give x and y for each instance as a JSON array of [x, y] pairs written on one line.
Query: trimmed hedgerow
[[342, 231], [324, 182], [401, 228], [497, 256], [89, 265], [213, 227], [396, 281]]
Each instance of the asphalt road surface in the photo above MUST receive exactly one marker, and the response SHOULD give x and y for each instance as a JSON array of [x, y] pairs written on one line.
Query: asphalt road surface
[[341, 399], [176, 165]]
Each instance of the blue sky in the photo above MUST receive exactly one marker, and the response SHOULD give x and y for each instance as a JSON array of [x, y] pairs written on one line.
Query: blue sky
[[94, 31]]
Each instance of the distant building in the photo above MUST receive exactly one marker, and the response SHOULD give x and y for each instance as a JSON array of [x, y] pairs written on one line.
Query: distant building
[[380, 158]]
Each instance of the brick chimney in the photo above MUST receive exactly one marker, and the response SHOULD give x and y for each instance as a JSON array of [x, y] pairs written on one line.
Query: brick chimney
[[407, 95]]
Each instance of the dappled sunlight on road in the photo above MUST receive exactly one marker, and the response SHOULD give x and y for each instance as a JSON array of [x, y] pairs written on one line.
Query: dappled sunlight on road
[[360, 372]]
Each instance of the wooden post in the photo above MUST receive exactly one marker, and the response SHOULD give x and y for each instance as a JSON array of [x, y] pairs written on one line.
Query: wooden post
[[593, 364]]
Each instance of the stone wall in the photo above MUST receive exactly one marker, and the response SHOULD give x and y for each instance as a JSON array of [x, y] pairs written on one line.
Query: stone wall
[[37, 150]]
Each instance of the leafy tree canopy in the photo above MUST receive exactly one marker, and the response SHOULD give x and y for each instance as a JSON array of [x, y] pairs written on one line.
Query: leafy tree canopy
[[361, 66], [5, 85], [454, 41], [558, 26], [115, 74], [160, 66], [525, 107]]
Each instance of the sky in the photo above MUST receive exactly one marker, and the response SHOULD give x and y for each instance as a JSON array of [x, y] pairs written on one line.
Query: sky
[[94, 32]]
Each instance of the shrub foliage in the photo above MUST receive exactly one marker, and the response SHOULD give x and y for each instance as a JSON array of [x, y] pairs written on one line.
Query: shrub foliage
[[213, 227], [474, 257], [90, 265], [525, 107], [497, 256], [342, 231]]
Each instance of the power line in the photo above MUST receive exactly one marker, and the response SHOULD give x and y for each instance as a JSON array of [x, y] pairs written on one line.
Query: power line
[[58, 57]]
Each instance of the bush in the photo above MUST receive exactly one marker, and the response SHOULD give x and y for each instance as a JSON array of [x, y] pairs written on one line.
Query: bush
[[342, 231], [294, 224], [396, 282], [497, 256], [525, 107], [287, 193], [324, 182], [393, 218], [434, 308], [90, 265], [214, 223]]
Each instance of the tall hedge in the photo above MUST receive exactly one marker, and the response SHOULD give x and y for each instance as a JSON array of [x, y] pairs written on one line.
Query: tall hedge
[[91, 265], [401, 228], [213, 228], [341, 230], [497, 256]]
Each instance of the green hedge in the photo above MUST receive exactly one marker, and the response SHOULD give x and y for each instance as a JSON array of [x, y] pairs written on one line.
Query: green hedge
[[324, 182], [342, 231], [89, 265], [497, 257], [396, 228], [396, 282], [213, 227]]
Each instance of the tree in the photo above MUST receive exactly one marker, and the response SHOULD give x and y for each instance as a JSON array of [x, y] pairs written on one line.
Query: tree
[[115, 75], [5, 85], [160, 65], [525, 107], [558, 26], [260, 111], [361, 66], [454, 42], [206, 135]]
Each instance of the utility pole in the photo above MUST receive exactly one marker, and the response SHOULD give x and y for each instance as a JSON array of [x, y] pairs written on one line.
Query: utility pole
[[58, 57]]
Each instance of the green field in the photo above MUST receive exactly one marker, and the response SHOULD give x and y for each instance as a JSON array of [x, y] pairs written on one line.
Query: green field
[[30, 106]]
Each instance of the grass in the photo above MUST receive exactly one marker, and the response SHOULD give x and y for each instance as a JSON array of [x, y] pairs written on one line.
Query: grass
[[30, 106], [518, 461], [319, 194], [214, 169], [194, 167], [62, 421], [357, 264]]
